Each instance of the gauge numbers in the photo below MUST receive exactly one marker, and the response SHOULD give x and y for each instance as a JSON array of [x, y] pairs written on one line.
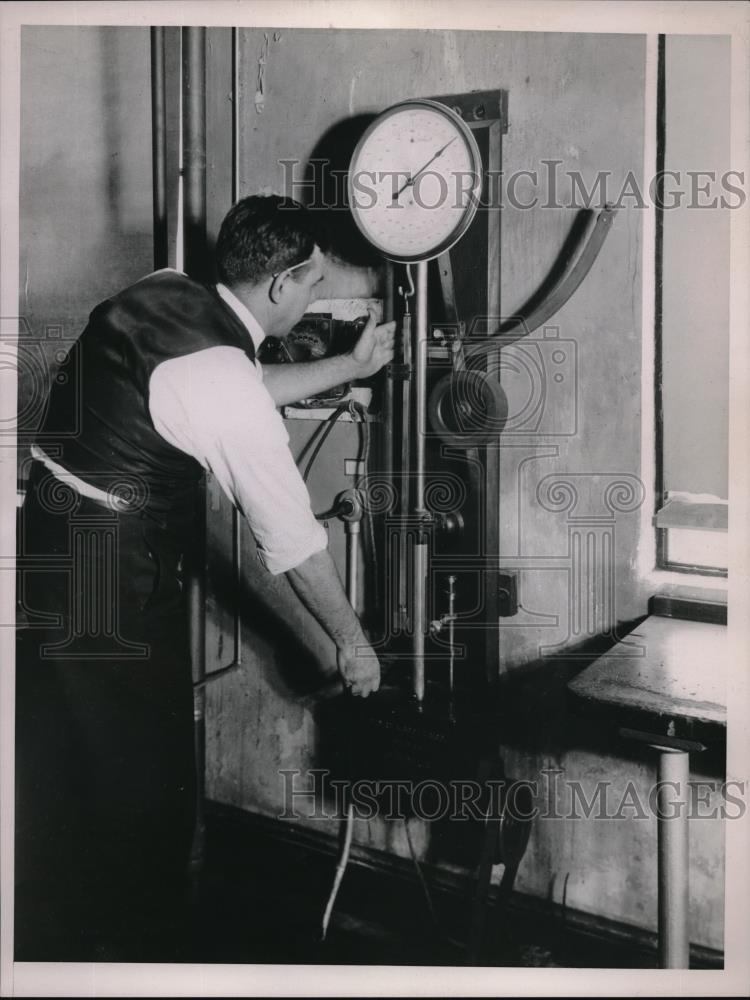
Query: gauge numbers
[[414, 180]]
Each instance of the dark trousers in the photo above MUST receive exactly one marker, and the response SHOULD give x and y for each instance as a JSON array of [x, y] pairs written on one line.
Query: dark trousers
[[105, 782]]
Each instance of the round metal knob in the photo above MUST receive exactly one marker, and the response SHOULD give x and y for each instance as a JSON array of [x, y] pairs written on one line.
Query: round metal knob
[[468, 408]]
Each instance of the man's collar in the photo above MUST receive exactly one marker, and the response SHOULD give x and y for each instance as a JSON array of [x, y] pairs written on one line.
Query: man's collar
[[243, 314]]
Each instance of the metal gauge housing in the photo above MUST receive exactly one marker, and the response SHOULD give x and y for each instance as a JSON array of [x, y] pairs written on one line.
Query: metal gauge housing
[[414, 181]]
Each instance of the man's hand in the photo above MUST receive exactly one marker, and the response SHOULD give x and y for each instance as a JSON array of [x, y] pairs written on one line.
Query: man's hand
[[374, 347], [317, 584], [290, 383], [359, 669]]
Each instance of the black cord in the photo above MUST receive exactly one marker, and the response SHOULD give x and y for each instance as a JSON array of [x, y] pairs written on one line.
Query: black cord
[[439, 929], [328, 427], [363, 460], [351, 407]]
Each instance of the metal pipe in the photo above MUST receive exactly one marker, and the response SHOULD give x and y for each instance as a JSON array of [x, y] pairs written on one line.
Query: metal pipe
[[194, 255], [451, 633], [159, 147], [387, 437], [352, 561], [407, 430], [391, 615], [236, 515], [420, 389], [673, 858], [419, 421], [407, 426], [194, 149], [419, 618], [236, 112]]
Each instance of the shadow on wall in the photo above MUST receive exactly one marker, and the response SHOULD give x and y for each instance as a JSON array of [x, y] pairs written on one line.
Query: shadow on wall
[[295, 671], [126, 132], [325, 180]]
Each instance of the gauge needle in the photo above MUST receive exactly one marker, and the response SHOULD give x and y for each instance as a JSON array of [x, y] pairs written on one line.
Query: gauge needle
[[421, 170]]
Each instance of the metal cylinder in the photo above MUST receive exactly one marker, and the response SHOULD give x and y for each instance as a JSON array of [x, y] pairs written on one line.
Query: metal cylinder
[[159, 148], [194, 150], [388, 394], [407, 417], [673, 858], [420, 619], [404, 617], [352, 561], [451, 631], [419, 416], [194, 256], [420, 388]]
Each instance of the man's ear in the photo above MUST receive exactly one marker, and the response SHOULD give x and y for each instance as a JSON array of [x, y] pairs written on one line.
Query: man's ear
[[276, 287]]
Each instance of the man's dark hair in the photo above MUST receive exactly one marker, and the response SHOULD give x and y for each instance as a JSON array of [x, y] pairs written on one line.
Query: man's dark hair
[[264, 235]]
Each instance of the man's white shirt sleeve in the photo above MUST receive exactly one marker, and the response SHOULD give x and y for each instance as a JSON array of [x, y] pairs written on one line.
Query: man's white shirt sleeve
[[213, 405]]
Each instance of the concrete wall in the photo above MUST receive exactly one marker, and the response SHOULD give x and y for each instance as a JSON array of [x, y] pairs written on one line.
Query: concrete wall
[[570, 496], [85, 205]]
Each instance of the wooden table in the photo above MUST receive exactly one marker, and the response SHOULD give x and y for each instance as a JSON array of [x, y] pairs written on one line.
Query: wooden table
[[664, 685]]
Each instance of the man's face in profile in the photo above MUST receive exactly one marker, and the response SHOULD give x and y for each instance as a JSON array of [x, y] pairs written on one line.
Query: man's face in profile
[[299, 289]]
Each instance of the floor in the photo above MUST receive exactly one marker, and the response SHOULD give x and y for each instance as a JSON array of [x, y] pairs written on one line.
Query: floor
[[260, 895], [262, 900]]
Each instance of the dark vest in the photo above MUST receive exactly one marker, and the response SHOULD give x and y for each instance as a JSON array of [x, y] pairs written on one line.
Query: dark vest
[[105, 396]]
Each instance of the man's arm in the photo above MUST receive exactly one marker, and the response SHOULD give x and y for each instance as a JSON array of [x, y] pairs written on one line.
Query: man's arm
[[290, 383], [317, 584], [245, 445]]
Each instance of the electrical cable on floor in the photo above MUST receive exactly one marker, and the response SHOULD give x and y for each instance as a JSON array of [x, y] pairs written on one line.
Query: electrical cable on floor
[[340, 869], [354, 409]]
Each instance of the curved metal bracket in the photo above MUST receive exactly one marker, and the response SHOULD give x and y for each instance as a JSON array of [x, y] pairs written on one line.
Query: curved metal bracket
[[576, 270]]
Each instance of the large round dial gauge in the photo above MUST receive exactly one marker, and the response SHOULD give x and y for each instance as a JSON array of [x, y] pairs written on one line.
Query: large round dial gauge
[[414, 180]]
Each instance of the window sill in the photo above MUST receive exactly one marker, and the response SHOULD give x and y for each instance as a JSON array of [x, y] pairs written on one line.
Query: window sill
[[687, 512], [691, 603]]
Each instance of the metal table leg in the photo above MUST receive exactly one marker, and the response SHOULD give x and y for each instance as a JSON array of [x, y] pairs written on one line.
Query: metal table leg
[[673, 854], [673, 858]]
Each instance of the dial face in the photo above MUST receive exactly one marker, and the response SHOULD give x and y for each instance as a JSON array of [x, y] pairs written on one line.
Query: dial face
[[414, 181]]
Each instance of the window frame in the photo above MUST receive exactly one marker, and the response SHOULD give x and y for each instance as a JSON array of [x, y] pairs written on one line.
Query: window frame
[[693, 512]]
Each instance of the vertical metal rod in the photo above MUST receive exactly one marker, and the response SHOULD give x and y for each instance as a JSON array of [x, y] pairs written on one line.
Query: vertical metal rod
[[159, 147], [194, 149], [392, 617], [352, 561], [236, 111], [451, 633], [419, 421], [407, 429], [407, 418], [673, 858], [194, 256], [419, 619], [388, 386], [420, 379]]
